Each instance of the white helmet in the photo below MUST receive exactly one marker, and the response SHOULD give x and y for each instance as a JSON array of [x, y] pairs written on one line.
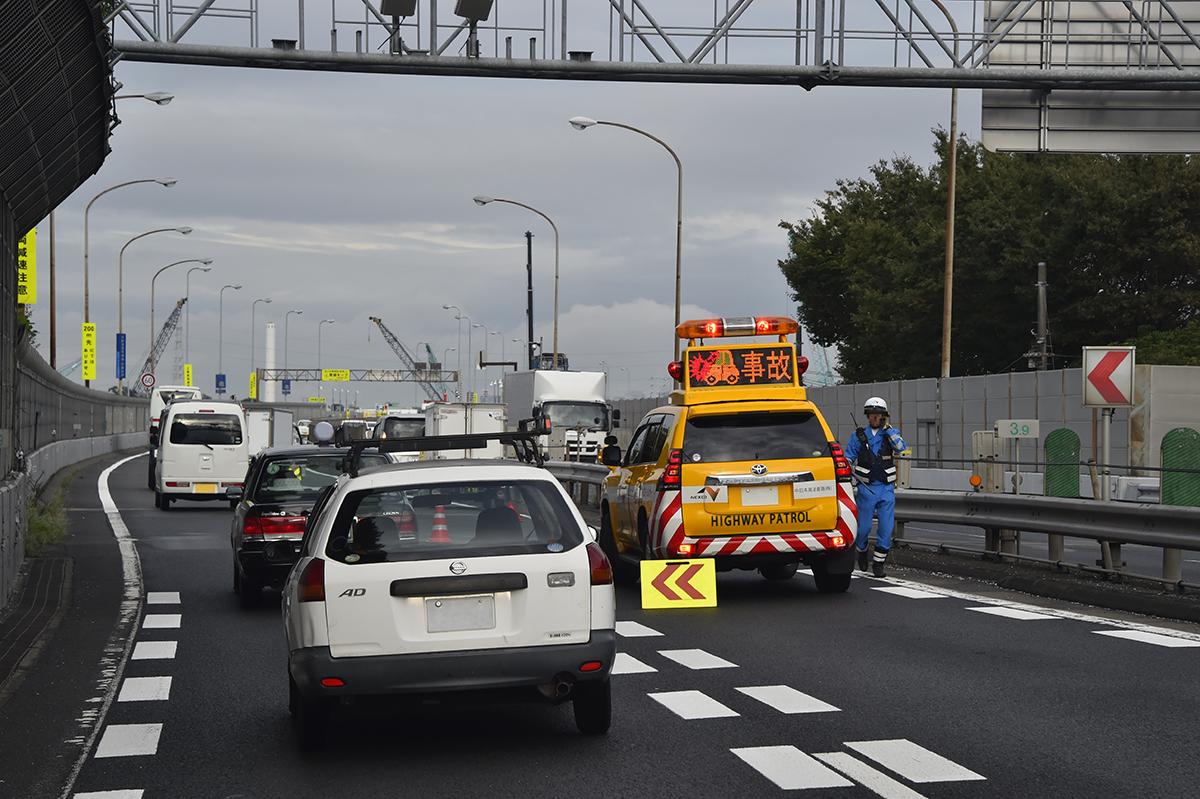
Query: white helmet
[[875, 405]]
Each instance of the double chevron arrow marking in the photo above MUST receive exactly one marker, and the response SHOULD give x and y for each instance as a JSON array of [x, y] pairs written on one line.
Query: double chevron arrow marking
[[679, 583], [683, 582]]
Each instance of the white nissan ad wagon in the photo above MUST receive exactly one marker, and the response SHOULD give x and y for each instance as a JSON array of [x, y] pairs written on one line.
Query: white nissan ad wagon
[[202, 451], [443, 576]]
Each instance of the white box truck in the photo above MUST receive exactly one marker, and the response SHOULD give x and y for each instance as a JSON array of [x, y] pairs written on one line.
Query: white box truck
[[580, 416], [458, 418], [269, 428]]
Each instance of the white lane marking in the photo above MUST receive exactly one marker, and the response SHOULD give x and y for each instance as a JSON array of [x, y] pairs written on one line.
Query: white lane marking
[[161, 621], [786, 699], [908, 593], [804, 571], [692, 705], [790, 769], [914, 763], [110, 794], [632, 629], [1057, 612], [145, 689], [872, 779], [162, 598], [125, 740], [628, 664], [154, 650], [1149, 638], [696, 659], [116, 650], [1012, 613]]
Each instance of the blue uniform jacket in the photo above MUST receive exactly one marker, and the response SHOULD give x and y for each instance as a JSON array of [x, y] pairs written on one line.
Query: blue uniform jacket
[[874, 441]]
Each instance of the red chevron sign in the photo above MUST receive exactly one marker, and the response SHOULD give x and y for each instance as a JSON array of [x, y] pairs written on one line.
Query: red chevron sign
[[679, 583], [1108, 377]]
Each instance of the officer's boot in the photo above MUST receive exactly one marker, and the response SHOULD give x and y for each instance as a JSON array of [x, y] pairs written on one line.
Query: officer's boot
[[877, 562], [862, 560]]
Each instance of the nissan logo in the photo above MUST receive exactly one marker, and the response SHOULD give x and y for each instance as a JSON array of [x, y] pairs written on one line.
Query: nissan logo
[[458, 567], [759, 469]]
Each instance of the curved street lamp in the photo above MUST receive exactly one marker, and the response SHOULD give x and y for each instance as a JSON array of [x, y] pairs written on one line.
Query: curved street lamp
[[187, 311], [297, 312], [158, 98], [583, 123], [153, 357], [221, 328], [184, 230], [253, 307]]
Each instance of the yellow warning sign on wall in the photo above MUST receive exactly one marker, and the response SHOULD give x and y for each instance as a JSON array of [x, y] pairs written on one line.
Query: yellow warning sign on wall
[[254, 385], [27, 268], [87, 365], [679, 583], [335, 375]]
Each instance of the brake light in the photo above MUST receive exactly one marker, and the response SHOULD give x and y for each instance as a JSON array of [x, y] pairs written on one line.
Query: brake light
[[176, 484], [675, 370], [685, 549], [257, 526], [332, 682], [591, 665], [672, 476], [602, 573], [311, 587], [841, 466]]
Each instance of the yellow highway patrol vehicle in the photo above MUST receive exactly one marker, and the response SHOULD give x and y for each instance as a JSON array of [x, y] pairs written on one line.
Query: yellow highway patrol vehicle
[[740, 466]]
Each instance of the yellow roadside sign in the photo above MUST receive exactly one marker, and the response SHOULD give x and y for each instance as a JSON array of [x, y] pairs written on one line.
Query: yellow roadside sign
[[88, 350], [187, 374], [335, 375], [27, 268], [679, 583], [254, 385], [317, 400]]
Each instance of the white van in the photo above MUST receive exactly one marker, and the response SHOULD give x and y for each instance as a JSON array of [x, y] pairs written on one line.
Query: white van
[[202, 451], [160, 398]]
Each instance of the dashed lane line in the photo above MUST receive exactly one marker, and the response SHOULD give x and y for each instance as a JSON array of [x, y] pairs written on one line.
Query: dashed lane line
[[786, 699], [632, 629], [162, 598], [154, 650], [693, 705], [145, 689], [907, 593], [696, 659], [791, 769], [111, 794], [1149, 638], [628, 664], [869, 777], [913, 762], [1013, 613], [127, 740], [162, 621]]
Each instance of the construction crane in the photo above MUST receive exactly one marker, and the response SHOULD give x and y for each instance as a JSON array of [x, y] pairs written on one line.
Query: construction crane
[[160, 344], [409, 362], [432, 360]]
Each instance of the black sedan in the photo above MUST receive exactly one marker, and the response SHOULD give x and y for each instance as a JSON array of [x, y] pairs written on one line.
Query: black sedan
[[281, 487]]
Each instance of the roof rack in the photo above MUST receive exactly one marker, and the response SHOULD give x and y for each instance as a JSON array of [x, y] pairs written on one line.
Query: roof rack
[[523, 442]]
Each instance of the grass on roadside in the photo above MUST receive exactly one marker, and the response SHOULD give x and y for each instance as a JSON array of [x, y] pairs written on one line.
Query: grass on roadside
[[46, 518]]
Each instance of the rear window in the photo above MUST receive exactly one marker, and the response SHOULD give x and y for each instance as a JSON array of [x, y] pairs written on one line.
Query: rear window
[[299, 477], [400, 428], [452, 520], [206, 428], [764, 435]]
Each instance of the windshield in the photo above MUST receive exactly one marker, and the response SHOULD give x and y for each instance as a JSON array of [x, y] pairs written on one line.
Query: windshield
[[206, 428], [577, 414], [452, 520], [400, 428], [297, 477], [764, 435]]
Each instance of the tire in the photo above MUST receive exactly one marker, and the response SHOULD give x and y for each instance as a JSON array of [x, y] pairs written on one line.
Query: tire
[[150, 472], [249, 590], [779, 571], [310, 717], [237, 579], [624, 572], [593, 707], [830, 583], [162, 501]]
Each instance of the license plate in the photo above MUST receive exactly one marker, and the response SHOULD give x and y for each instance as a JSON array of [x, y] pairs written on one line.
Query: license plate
[[753, 496], [205, 488], [457, 614]]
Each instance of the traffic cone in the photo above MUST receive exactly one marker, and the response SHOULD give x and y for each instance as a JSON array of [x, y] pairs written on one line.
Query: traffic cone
[[440, 533]]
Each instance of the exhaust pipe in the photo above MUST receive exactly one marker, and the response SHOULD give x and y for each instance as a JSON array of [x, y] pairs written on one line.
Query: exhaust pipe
[[560, 689]]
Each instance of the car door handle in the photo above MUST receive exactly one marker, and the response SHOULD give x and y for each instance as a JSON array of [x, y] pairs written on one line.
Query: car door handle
[[459, 584]]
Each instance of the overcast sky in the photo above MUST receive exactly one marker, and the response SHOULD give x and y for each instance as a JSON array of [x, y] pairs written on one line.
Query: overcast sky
[[349, 195]]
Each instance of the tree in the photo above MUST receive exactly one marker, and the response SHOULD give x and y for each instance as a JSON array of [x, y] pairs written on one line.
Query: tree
[[1118, 233]]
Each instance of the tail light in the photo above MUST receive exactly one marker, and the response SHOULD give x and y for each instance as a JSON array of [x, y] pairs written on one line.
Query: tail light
[[257, 526], [311, 587], [672, 476], [841, 466], [602, 573]]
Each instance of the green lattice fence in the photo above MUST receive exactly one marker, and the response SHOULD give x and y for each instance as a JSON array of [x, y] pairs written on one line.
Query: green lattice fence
[[1181, 450], [1062, 464]]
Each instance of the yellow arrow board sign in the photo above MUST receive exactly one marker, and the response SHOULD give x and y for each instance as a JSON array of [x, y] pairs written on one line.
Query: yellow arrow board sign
[[679, 583], [187, 374], [335, 375]]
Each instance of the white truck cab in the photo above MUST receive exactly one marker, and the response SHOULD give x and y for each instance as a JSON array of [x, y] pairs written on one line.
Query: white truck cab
[[202, 451], [574, 403]]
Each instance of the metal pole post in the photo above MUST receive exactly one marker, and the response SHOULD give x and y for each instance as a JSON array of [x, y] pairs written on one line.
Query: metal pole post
[[562, 53], [1106, 433], [300, 16], [470, 356], [951, 177], [678, 247], [221, 328], [1043, 333], [53, 301], [555, 227], [86, 313], [529, 294]]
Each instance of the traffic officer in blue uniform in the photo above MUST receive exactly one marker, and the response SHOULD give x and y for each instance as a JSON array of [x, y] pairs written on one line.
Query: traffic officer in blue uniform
[[872, 451]]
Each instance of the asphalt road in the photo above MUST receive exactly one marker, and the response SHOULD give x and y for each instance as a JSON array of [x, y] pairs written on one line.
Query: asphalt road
[[878, 692]]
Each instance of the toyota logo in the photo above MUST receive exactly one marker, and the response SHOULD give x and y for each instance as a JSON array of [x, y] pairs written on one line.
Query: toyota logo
[[759, 469], [458, 567]]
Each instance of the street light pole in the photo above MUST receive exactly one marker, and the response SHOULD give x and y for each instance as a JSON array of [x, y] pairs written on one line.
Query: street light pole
[[486, 333], [187, 311], [121, 283], [221, 328], [158, 98], [320, 384], [153, 359], [583, 123], [253, 308], [458, 349], [297, 312], [554, 227]]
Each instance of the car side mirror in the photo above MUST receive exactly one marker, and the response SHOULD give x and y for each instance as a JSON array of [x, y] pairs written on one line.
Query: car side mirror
[[234, 493], [616, 414]]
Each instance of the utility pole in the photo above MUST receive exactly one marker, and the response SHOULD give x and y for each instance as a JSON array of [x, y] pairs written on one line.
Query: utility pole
[[529, 292], [1043, 324]]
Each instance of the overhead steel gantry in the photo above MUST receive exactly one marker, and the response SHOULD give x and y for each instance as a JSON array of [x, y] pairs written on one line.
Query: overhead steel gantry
[[359, 375], [1025, 44]]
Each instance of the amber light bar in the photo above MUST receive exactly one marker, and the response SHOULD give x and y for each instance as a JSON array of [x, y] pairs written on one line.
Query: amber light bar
[[737, 326]]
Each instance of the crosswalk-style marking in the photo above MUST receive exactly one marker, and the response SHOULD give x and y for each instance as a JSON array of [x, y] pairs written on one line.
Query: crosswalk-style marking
[[628, 664], [914, 763], [908, 593], [125, 740], [1149, 638], [154, 650], [1012, 613], [633, 629], [870, 778], [162, 621], [692, 705], [786, 699], [791, 769], [696, 659], [145, 689], [162, 598], [134, 794]]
